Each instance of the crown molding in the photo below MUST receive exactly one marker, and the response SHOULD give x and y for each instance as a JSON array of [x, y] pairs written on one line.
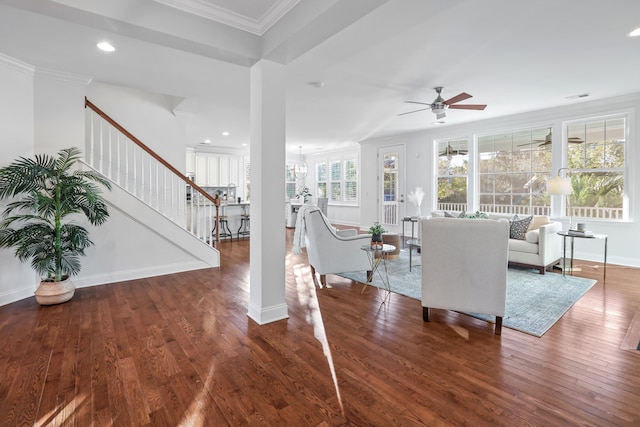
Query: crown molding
[[63, 76], [219, 14], [17, 65]]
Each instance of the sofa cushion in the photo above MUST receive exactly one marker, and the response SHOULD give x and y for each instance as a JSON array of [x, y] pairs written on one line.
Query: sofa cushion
[[519, 227], [532, 236], [516, 245], [448, 215]]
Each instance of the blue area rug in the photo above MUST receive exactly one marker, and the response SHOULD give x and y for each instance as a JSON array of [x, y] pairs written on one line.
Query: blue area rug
[[535, 302]]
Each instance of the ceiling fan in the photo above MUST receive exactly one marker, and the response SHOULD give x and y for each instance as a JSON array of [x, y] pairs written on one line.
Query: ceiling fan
[[439, 105], [547, 141], [449, 151]]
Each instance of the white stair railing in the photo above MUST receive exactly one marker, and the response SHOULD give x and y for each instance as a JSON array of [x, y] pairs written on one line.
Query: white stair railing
[[125, 160]]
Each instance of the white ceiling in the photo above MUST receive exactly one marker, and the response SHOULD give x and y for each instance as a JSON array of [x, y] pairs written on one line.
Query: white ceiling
[[371, 56]]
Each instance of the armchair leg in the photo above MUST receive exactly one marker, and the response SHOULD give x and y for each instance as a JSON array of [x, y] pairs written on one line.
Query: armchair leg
[[323, 280], [425, 314], [498, 329]]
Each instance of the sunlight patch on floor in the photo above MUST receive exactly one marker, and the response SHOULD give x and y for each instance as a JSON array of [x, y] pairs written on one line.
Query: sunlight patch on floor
[[194, 415], [307, 297], [61, 417]]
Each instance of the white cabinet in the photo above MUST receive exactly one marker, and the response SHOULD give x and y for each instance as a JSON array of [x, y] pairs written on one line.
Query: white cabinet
[[217, 170], [190, 166], [234, 170], [224, 170]]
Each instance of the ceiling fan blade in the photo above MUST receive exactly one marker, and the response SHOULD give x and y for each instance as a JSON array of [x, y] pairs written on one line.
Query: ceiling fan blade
[[414, 111], [460, 97], [416, 102], [469, 106]]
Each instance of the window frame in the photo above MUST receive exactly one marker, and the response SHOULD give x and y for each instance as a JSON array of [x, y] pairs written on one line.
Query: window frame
[[624, 170], [340, 184]]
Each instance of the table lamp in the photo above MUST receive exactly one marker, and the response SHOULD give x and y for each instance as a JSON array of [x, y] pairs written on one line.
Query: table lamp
[[562, 187]]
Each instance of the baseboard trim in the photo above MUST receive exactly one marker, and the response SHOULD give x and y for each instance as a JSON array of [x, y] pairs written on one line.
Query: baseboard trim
[[134, 274], [15, 295], [263, 316]]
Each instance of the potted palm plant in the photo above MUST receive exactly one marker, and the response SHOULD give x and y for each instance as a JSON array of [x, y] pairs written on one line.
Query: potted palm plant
[[47, 195]]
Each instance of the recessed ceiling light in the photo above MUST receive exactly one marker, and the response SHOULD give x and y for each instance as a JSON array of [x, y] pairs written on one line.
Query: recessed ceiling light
[[206, 141], [225, 133], [317, 85], [244, 145], [635, 33], [439, 122], [106, 46]]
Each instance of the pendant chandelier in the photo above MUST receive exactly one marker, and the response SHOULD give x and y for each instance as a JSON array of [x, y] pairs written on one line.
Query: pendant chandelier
[[300, 169]]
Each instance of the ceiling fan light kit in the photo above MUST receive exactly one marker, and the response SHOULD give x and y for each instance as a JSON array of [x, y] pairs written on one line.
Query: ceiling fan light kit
[[439, 105]]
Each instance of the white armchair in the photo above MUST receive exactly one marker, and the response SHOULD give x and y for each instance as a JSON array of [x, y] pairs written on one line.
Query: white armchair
[[464, 266], [333, 251]]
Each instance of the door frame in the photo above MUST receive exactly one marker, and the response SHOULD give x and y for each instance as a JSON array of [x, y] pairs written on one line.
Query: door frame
[[401, 187]]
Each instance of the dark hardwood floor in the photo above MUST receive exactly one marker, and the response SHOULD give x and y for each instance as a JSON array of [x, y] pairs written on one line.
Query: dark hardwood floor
[[179, 350]]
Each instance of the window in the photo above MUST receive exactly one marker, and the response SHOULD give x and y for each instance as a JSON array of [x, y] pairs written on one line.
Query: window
[[247, 179], [290, 182], [321, 179], [513, 171], [453, 167], [596, 160], [337, 178]]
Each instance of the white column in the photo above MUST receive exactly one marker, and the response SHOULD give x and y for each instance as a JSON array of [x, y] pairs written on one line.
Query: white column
[[267, 282]]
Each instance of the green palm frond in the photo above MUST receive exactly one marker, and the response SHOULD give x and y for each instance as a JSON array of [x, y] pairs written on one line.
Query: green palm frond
[[48, 191]]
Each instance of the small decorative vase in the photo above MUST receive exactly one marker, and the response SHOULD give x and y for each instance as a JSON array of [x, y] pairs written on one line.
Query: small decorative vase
[[49, 293], [376, 241]]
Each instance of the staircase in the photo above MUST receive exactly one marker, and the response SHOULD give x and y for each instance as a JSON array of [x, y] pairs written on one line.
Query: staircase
[[150, 189]]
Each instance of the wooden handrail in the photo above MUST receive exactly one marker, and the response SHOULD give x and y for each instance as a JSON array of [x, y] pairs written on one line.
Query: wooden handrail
[[98, 111]]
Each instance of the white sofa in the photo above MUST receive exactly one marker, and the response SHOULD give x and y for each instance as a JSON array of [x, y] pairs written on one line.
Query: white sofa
[[541, 248], [464, 266]]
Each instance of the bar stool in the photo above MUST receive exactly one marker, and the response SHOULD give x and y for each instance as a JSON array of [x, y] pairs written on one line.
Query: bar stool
[[244, 222], [225, 231]]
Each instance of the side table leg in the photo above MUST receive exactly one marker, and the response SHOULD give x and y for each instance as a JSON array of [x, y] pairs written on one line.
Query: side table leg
[[564, 255], [605, 259]]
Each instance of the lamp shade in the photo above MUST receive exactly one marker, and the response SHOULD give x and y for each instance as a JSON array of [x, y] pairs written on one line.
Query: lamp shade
[[559, 186]]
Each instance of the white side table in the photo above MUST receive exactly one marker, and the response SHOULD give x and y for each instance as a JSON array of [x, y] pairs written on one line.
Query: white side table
[[378, 256]]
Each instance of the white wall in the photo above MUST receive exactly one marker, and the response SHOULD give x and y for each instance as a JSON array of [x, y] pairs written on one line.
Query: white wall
[[419, 164], [45, 111], [147, 116], [17, 280]]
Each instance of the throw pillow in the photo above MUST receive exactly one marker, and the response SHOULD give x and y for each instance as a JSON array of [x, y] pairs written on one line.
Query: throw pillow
[[448, 215], [539, 220], [476, 215], [532, 236], [519, 227]]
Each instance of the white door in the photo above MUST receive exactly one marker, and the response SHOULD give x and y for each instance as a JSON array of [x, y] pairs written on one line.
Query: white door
[[391, 196]]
